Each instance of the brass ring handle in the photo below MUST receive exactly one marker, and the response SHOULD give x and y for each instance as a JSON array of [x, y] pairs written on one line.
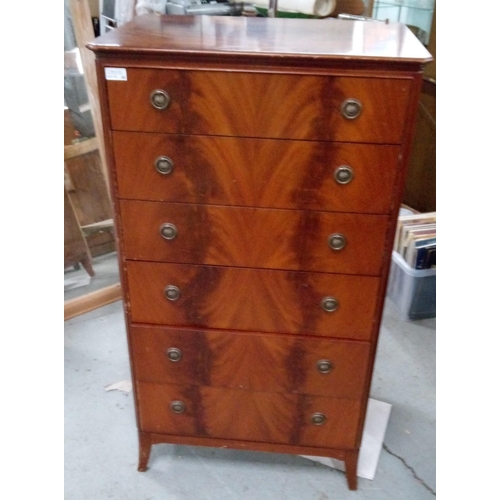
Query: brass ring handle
[[343, 174], [337, 241], [318, 418], [324, 366], [351, 109], [174, 354], [164, 165], [159, 99], [177, 406], [172, 292], [168, 231], [329, 304]]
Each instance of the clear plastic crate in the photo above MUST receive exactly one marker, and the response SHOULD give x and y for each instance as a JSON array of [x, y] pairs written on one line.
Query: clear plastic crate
[[412, 290]]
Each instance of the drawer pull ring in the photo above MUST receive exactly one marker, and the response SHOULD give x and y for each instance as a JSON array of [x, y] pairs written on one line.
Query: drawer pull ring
[[164, 165], [343, 174], [324, 366], [172, 292], [168, 231], [177, 406], [337, 241], [318, 419], [351, 109], [159, 99], [174, 354], [329, 304]]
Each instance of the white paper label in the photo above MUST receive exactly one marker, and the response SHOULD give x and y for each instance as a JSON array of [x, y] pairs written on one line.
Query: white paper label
[[115, 73]]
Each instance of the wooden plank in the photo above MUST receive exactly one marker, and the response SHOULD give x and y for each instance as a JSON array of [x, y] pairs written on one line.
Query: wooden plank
[[84, 33], [91, 301], [97, 226], [69, 129], [68, 183], [80, 148], [76, 249]]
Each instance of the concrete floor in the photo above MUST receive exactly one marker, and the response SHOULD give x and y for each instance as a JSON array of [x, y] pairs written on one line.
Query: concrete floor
[[101, 440], [78, 282]]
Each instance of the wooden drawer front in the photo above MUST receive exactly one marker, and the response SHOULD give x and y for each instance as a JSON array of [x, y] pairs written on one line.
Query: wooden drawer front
[[248, 416], [263, 238], [252, 299], [260, 105], [256, 172], [258, 362]]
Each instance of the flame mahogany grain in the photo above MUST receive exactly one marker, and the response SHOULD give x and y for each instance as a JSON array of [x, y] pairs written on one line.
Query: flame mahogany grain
[[233, 236], [255, 131], [252, 299], [256, 105], [250, 361], [248, 415], [256, 172]]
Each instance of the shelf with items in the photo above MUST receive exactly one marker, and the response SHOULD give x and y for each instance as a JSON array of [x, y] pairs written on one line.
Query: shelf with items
[[416, 14]]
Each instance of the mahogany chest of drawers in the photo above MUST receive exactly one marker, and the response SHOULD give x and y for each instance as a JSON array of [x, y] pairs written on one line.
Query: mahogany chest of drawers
[[257, 168]]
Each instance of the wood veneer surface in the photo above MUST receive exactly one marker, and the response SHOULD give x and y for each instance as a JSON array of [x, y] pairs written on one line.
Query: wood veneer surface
[[255, 128], [250, 361], [248, 415], [333, 40], [252, 299], [256, 172], [234, 236], [242, 104]]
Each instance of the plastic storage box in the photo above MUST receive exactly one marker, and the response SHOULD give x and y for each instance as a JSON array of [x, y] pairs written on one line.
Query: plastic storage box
[[412, 290]]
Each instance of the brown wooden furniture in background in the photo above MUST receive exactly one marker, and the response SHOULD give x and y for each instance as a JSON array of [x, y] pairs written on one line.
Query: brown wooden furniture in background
[[257, 168], [76, 250], [86, 187], [87, 209], [84, 32], [84, 159], [420, 190]]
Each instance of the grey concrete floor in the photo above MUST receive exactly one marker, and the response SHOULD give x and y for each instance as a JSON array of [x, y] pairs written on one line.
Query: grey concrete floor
[[78, 282], [101, 441]]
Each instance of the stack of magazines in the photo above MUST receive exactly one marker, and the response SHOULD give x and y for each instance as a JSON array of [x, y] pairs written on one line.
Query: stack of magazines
[[415, 239]]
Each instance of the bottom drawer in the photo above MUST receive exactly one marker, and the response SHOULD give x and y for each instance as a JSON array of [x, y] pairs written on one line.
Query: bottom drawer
[[247, 415]]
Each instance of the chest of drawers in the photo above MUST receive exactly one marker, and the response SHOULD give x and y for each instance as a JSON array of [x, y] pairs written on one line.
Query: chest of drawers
[[257, 168]]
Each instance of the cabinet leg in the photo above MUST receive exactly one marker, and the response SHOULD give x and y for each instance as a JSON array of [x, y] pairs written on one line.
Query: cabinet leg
[[351, 468], [144, 451]]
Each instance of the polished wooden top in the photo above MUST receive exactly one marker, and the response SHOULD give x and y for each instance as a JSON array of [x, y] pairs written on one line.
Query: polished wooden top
[[232, 36]]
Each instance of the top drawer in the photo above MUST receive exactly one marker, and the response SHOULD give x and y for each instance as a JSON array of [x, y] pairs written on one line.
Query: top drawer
[[260, 105]]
